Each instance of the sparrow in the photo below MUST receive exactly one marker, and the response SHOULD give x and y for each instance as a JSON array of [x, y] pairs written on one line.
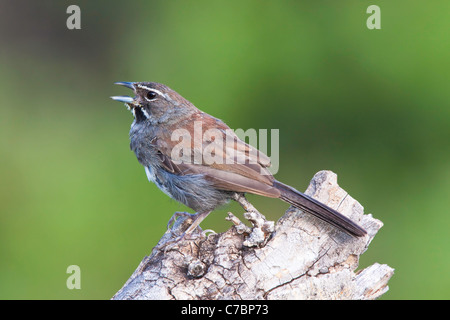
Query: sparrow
[[205, 171]]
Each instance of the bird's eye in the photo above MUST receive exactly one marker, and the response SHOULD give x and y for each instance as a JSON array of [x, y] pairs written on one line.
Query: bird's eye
[[151, 95]]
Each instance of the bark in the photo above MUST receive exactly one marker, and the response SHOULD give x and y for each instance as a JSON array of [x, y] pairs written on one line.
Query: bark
[[301, 257]]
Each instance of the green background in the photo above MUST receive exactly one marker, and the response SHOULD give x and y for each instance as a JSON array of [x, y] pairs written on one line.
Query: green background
[[370, 105]]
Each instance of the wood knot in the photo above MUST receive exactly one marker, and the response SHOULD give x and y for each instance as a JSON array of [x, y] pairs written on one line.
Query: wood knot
[[196, 269]]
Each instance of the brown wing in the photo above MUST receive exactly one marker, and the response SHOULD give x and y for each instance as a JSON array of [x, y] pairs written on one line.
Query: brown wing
[[225, 160]]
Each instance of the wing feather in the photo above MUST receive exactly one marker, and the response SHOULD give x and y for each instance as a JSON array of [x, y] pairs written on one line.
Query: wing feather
[[226, 161]]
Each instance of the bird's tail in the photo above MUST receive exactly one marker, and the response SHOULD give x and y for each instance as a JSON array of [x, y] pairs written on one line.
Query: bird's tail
[[318, 209]]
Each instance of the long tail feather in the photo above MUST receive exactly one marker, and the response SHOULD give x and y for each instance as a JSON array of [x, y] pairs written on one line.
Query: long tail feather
[[318, 209]]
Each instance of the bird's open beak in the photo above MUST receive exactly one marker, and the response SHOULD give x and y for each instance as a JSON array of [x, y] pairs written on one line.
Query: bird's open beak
[[125, 99], [126, 84]]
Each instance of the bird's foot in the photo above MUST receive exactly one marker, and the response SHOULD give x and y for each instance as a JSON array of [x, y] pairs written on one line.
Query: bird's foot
[[183, 226], [173, 242], [262, 228], [177, 215]]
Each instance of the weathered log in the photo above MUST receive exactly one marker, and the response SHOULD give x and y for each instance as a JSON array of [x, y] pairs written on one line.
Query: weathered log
[[303, 258]]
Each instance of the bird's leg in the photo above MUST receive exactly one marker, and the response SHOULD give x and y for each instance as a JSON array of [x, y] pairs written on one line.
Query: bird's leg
[[251, 213], [241, 228], [199, 217], [261, 227]]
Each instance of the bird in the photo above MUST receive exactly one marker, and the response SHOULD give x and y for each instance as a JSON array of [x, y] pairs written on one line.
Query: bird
[[164, 139]]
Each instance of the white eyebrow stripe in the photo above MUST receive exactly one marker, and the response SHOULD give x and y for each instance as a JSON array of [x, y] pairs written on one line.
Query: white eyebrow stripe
[[151, 89]]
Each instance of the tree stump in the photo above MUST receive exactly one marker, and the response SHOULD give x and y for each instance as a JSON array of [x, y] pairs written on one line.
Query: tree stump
[[304, 258]]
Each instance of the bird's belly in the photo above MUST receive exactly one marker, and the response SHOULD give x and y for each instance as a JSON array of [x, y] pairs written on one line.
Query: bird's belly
[[191, 190]]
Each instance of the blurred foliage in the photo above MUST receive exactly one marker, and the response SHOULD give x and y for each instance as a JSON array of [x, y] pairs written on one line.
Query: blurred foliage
[[371, 105]]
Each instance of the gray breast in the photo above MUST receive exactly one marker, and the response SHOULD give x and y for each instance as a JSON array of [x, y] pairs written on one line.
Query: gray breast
[[192, 190]]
